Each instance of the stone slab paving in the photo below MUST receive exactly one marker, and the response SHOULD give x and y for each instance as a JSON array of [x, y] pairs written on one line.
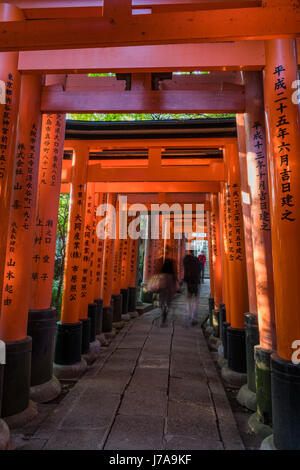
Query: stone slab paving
[[153, 388]]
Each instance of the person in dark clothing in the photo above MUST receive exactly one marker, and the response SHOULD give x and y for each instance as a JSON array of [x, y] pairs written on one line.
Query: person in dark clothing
[[168, 286], [202, 259], [192, 270]]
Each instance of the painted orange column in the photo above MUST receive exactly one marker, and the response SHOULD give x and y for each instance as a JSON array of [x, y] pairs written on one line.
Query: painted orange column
[[19, 247], [237, 272], [70, 311], [9, 107], [182, 255], [93, 248], [246, 209], [117, 260], [178, 258], [84, 270], [260, 207], [51, 154], [216, 249], [211, 271], [100, 199], [224, 246], [148, 254], [125, 259], [106, 280], [283, 131], [133, 263]]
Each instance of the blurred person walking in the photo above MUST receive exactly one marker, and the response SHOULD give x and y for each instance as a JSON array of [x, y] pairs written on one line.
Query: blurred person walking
[[192, 275]]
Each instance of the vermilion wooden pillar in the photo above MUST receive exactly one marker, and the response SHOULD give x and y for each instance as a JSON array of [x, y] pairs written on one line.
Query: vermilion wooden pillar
[[283, 145], [125, 269], [213, 312], [255, 133], [106, 281], [148, 262], [211, 271], [132, 290], [19, 249], [224, 246], [178, 258], [93, 307], [100, 198], [182, 255], [67, 359], [116, 277], [42, 317], [8, 118], [216, 250], [237, 273], [246, 209], [246, 395], [87, 312], [225, 306], [8, 125]]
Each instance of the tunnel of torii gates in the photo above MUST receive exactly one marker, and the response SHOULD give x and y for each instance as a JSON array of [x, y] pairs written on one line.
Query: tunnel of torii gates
[[248, 183]]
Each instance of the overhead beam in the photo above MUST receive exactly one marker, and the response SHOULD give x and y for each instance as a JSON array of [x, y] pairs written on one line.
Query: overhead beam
[[245, 55], [97, 173], [155, 186], [203, 143], [148, 199], [158, 28], [181, 198], [159, 58], [214, 81], [199, 101], [183, 5], [51, 8]]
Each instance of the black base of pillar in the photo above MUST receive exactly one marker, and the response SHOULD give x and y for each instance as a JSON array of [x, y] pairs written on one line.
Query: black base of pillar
[[252, 339], [236, 350], [117, 308], [92, 314], [285, 385], [107, 320], [222, 319], [41, 328], [222, 309], [211, 306], [68, 343], [99, 303], [16, 380], [131, 299], [215, 323], [263, 384], [85, 335], [124, 293], [224, 339], [147, 297]]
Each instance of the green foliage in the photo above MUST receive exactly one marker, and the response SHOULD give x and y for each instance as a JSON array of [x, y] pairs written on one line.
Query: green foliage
[[60, 253], [110, 117], [56, 297], [101, 74]]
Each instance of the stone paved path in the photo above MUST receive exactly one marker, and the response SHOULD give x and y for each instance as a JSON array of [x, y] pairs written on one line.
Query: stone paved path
[[153, 388]]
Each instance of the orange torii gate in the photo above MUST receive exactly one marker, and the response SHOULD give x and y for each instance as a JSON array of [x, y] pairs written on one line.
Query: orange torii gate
[[144, 39]]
